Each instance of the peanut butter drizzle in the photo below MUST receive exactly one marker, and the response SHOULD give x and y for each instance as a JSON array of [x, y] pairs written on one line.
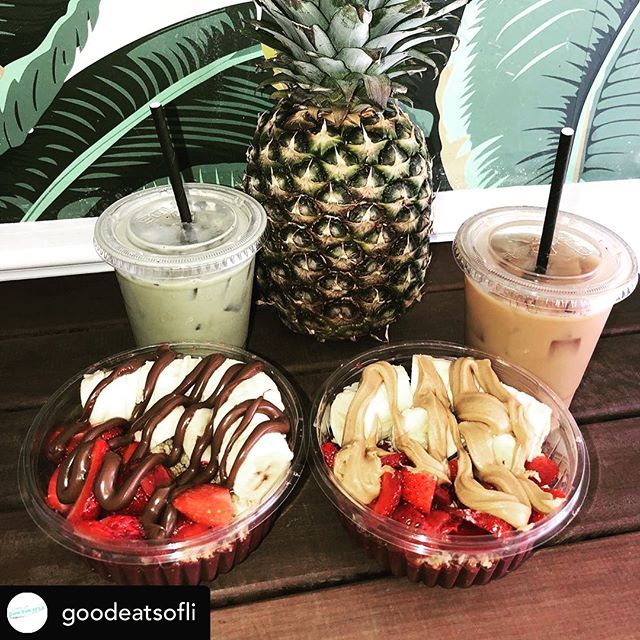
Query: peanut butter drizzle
[[431, 395], [357, 465], [112, 491], [498, 503], [484, 408]]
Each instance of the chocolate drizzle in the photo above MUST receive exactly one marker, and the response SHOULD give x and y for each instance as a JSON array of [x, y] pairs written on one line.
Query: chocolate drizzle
[[117, 482]]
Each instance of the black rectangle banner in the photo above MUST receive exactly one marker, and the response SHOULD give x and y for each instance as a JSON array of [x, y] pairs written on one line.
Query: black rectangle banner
[[122, 612]]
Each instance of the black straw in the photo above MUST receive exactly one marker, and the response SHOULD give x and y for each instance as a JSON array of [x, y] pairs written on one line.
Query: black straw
[[553, 204], [169, 153]]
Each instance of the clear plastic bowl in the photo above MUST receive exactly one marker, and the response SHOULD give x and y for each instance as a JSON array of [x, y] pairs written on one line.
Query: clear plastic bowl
[[454, 560], [151, 562]]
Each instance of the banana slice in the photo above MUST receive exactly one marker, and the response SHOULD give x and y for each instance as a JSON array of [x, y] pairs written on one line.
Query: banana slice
[[259, 385], [415, 424], [264, 467], [118, 398], [504, 446], [338, 411], [537, 416], [442, 367], [215, 378], [195, 429], [171, 376], [378, 414]]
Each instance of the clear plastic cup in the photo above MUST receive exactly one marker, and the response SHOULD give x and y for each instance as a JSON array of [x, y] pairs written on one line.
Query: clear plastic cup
[[549, 324], [184, 283], [454, 560], [155, 562]]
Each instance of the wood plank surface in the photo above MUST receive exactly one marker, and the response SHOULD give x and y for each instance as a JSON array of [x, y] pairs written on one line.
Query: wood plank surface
[[308, 573], [586, 590], [52, 305], [308, 547], [35, 366], [55, 305]]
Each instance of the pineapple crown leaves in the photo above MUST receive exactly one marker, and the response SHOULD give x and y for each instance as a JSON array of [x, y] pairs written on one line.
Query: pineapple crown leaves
[[335, 52]]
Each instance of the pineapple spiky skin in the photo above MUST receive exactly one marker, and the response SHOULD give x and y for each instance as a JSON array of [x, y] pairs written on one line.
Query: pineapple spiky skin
[[348, 198]]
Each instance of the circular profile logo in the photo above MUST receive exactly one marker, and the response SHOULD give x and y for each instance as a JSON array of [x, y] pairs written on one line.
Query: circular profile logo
[[27, 612]]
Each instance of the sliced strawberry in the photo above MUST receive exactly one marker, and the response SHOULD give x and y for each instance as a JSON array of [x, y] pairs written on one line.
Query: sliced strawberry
[[208, 504], [114, 432], [137, 505], [440, 523], [435, 523], [86, 506], [443, 496], [418, 489], [75, 441], [91, 509], [116, 527], [161, 475], [148, 483], [536, 516], [329, 450], [71, 444], [396, 460], [158, 476], [186, 530], [390, 492], [453, 469], [52, 494], [494, 525], [105, 435], [129, 451], [52, 436], [467, 529], [546, 469], [409, 516]]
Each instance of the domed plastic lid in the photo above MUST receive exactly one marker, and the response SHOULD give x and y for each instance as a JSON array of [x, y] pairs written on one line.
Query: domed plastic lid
[[590, 267], [142, 234]]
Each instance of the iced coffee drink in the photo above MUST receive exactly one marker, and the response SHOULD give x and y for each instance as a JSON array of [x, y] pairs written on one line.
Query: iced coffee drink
[[184, 282], [548, 324]]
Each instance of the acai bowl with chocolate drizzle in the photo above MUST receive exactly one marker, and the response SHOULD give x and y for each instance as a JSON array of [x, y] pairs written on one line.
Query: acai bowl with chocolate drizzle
[[164, 465]]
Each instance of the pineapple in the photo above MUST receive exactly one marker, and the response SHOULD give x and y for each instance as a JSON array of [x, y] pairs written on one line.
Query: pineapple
[[342, 171]]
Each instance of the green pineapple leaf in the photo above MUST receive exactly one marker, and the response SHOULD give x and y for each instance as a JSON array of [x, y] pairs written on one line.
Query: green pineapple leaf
[[349, 27]]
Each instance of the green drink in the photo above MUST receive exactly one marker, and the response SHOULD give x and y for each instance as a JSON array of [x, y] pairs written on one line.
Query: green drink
[[180, 282]]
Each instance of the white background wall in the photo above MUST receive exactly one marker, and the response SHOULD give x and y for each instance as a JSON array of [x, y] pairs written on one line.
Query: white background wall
[[63, 247]]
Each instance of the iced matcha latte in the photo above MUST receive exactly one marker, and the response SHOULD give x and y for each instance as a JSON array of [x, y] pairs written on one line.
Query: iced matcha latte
[[184, 282], [551, 323]]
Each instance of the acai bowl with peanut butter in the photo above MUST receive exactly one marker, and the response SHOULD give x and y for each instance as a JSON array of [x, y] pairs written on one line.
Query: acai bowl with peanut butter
[[446, 464]]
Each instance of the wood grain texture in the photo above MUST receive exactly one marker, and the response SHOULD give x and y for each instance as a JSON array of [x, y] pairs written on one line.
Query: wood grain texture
[[610, 388], [308, 572], [308, 547], [54, 305], [586, 590]]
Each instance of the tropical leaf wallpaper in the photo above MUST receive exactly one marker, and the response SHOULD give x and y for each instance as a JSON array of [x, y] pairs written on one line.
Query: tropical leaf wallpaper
[[526, 68], [77, 76]]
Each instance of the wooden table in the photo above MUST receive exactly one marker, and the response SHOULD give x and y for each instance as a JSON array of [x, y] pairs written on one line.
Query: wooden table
[[308, 580]]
